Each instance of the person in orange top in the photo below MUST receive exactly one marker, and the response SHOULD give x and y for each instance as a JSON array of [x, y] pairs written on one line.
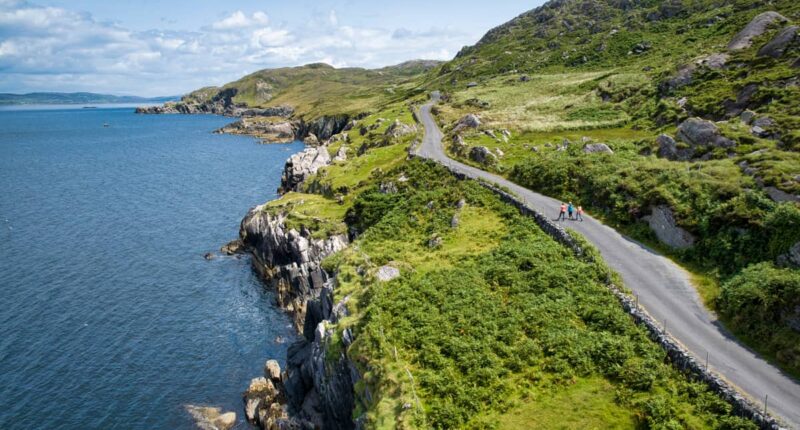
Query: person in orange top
[[563, 214], [579, 215]]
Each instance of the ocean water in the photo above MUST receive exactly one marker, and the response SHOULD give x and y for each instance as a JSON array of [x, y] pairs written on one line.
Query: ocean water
[[110, 317]]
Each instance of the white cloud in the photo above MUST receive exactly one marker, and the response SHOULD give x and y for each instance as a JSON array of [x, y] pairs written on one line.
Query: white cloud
[[238, 21], [56, 49]]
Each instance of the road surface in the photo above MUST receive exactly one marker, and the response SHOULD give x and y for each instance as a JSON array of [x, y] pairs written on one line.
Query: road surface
[[663, 288]]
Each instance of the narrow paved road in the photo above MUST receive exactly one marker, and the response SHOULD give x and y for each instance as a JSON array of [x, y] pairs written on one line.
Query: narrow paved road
[[663, 288]]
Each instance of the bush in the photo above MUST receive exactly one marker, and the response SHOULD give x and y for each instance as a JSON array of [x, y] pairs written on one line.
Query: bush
[[761, 302]]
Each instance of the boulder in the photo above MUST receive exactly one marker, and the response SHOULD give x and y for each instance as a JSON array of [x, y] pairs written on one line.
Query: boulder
[[595, 148], [796, 63], [311, 140], [341, 154], [472, 85], [776, 47], [662, 222], [763, 127], [755, 28], [211, 418], [714, 61], [701, 133], [668, 148], [272, 370], [467, 121], [482, 154], [387, 273], [747, 116], [398, 129]]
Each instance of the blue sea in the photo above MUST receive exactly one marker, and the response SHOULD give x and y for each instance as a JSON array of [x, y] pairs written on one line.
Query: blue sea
[[110, 317]]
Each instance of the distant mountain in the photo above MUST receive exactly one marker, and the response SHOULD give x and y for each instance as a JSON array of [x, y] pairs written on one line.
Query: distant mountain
[[76, 98]]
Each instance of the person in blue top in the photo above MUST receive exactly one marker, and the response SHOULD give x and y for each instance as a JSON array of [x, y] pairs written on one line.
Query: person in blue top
[[570, 210]]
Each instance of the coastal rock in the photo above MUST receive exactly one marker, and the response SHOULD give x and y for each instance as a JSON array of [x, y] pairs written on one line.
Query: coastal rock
[[272, 370], [324, 127], [698, 132], [311, 140], [211, 418], [290, 262], [302, 165], [791, 258], [272, 132], [233, 247], [482, 154], [776, 47], [597, 148], [755, 28], [662, 222]]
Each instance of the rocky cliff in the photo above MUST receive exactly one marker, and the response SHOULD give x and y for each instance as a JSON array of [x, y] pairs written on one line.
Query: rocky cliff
[[316, 388]]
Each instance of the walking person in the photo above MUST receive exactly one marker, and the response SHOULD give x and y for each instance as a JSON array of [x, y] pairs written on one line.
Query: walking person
[[579, 214], [570, 210], [562, 213]]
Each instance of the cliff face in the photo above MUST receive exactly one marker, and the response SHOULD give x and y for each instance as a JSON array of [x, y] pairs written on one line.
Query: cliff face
[[316, 388], [289, 260]]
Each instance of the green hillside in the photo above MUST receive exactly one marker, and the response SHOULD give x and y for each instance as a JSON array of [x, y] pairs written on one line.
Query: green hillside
[[576, 73], [319, 89]]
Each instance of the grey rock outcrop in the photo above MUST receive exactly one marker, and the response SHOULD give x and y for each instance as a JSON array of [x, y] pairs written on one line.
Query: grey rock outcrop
[[398, 129], [341, 154], [755, 28], [776, 47], [302, 165], [311, 140], [714, 61], [780, 195], [668, 148], [597, 148], [747, 117], [387, 273], [482, 154], [662, 222], [287, 259], [467, 121], [314, 391], [699, 133]]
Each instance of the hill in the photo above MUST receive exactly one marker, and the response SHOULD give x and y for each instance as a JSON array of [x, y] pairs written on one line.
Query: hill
[[75, 98], [675, 121], [316, 90]]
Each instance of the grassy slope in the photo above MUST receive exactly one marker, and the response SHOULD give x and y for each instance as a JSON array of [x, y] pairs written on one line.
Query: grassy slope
[[318, 89], [496, 326], [587, 84]]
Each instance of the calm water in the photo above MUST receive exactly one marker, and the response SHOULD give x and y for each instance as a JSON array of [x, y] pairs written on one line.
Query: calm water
[[110, 317]]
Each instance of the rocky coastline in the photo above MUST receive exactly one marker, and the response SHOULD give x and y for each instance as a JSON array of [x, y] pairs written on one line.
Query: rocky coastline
[[275, 124], [315, 390]]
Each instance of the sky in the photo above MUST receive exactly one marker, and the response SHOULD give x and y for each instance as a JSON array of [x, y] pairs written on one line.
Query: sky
[[171, 47]]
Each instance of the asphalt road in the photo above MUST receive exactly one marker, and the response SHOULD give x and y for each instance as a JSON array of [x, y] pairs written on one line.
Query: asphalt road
[[663, 289]]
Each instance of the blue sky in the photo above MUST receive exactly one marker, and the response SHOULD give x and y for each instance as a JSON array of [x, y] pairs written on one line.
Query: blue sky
[[160, 47]]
